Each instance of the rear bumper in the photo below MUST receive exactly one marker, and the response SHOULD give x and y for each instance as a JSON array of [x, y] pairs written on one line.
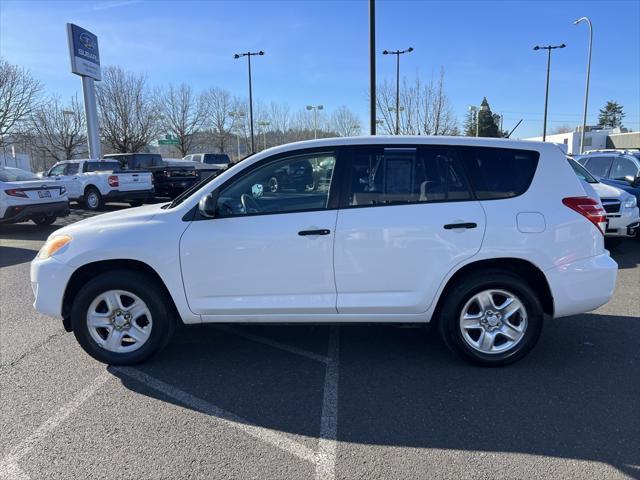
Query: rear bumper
[[583, 285], [23, 213], [116, 195]]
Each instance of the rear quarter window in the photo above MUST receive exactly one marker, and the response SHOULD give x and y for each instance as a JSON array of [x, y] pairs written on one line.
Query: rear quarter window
[[499, 172]]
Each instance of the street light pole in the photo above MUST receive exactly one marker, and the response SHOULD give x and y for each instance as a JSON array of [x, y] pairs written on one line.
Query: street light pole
[[237, 116], [262, 126], [315, 109], [586, 92], [397, 53], [372, 66], [249, 55], [548, 48]]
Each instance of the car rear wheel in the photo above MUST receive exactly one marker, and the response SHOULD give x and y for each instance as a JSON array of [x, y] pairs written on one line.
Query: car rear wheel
[[492, 318], [93, 199], [122, 318], [44, 220]]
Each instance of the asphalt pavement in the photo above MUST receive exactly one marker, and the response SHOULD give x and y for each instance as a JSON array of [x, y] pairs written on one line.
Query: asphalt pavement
[[325, 402]]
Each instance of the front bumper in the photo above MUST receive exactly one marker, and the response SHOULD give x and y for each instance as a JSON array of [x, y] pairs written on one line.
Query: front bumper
[[583, 285], [23, 213], [49, 279], [618, 224]]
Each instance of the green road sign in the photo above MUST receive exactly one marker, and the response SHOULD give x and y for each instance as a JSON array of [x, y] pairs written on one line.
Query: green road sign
[[168, 142]]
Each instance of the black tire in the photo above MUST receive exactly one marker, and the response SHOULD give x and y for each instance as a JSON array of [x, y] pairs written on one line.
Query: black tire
[[44, 220], [272, 184], [148, 290], [90, 194], [136, 203], [452, 308]]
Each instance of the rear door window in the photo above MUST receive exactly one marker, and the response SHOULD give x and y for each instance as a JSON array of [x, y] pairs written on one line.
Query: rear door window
[[395, 176], [72, 168], [499, 172], [599, 166]]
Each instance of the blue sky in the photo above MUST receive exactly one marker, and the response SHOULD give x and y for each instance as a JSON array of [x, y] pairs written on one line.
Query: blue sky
[[317, 51]]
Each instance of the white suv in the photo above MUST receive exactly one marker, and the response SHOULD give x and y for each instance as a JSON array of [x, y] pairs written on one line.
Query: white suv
[[482, 236]]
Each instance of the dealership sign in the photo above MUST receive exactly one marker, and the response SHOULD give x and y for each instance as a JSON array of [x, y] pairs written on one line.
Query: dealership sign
[[83, 50]]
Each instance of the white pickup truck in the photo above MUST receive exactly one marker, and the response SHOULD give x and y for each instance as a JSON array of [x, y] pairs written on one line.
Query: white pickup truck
[[96, 182]]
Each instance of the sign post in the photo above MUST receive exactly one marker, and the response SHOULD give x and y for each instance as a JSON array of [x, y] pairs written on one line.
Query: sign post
[[85, 61]]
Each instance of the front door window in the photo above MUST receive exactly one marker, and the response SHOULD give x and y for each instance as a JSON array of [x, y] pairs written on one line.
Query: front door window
[[291, 184]]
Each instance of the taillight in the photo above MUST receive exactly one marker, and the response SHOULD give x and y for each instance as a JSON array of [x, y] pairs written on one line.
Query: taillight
[[590, 209], [113, 181], [16, 192]]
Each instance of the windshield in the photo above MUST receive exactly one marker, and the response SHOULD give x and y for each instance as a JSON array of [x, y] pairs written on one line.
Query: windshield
[[10, 174], [582, 172]]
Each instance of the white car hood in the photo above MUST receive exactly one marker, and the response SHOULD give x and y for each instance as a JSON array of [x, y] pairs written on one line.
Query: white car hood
[[105, 221], [607, 191]]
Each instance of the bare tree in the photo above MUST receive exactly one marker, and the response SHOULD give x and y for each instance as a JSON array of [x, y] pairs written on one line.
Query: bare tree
[[562, 129], [424, 109], [19, 94], [182, 114], [59, 131], [219, 107], [129, 120], [345, 122]]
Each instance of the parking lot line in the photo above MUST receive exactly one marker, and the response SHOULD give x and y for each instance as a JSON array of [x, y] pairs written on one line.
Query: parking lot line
[[273, 343], [9, 468], [265, 435], [326, 457]]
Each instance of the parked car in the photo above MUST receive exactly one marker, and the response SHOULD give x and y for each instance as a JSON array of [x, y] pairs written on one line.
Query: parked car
[[24, 197], [219, 161], [94, 183], [482, 236], [623, 216], [619, 168], [170, 177]]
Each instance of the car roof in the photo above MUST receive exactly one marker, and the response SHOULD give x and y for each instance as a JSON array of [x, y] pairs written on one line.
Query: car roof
[[414, 140]]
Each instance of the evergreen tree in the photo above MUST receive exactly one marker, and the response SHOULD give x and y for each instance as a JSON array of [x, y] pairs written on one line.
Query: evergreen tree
[[486, 121], [611, 115], [470, 124]]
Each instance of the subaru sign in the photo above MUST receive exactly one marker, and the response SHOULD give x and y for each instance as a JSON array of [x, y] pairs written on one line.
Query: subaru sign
[[83, 50]]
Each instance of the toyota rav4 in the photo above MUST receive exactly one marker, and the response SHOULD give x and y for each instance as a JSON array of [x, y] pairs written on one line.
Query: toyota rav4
[[483, 237]]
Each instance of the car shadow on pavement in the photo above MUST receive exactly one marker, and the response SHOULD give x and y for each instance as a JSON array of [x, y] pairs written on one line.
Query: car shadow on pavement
[[627, 254], [10, 256], [576, 396]]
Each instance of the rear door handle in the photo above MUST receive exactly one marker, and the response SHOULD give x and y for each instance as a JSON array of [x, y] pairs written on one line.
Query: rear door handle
[[451, 226], [304, 233]]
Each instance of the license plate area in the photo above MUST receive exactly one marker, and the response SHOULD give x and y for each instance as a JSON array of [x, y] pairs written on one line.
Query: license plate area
[[44, 194]]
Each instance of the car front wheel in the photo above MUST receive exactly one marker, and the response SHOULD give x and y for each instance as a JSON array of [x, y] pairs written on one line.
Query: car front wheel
[[491, 319], [122, 318]]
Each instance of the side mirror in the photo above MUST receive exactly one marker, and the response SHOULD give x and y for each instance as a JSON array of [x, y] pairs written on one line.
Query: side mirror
[[633, 181], [207, 205]]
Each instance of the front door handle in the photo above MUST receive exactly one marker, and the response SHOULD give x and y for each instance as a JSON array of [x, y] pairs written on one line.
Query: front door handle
[[451, 226], [304, 233]]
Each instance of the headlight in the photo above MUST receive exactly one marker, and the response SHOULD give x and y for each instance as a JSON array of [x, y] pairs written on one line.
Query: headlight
[[53, 245], [630, 202]]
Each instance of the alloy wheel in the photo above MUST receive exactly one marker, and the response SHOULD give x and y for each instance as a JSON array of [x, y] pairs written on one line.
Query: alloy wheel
[[493, 321]]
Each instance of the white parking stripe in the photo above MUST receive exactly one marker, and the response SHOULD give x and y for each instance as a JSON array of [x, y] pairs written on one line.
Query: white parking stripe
[[326, 456], [273, 343], [276, 439], [9, 467]]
